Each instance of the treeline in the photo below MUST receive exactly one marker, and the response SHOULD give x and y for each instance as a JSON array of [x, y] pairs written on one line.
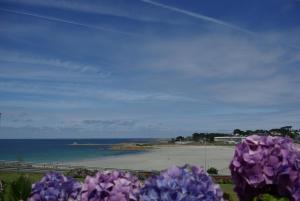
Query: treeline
[[199, 137], [285, 131]]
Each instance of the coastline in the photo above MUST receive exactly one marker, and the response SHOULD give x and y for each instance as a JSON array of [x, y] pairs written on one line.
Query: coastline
[[65, 150], [163, 156]]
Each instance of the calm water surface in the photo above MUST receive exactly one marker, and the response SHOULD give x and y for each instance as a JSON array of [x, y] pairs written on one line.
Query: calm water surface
[[59, 150]]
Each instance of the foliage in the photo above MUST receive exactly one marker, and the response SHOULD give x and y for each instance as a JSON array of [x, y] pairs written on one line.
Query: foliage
[[55, 186], [212, 170], [80, 173], [268, 197], [285, 131], [111, 186], [265, 164], [179, 138], [227, 196], [19, 189], [187, 183], [2, 189], [10, 176], [224, 181], [229, 192]]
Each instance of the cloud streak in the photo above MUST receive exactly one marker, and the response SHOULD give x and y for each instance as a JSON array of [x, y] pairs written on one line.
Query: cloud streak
[[90, 93], [198, 16], [45, 62], [271, 91], [54, 19], [109, 123], [140, 15], [186, 72]]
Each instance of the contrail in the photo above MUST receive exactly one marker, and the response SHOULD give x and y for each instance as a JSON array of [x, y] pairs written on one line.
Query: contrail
[[213, 20], [199, 16], [54, 19]]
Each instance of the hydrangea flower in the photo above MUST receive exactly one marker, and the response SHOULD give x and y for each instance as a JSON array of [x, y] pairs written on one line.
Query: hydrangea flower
[[266, 164], [55, 187], [111, 186], [186, 183]]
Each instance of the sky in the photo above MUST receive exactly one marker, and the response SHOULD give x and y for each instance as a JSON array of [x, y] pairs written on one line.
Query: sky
[[147, 68]]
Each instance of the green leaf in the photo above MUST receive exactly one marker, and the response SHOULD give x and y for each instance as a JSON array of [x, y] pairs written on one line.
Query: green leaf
[[268, 197], [20, 189]]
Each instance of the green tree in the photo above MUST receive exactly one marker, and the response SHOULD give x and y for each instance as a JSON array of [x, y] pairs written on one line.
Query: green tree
[[237, 131], [179, 138], [212, 170]]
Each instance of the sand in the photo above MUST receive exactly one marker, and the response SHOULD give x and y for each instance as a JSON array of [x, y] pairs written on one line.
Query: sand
[[162, 157]]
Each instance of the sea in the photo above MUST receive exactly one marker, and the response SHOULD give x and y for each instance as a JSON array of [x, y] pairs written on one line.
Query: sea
[[62, 150]]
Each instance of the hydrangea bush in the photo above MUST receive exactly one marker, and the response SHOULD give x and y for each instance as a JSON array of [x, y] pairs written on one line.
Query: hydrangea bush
[[111, 186], [55, 187], [187, 183], [266, 164]]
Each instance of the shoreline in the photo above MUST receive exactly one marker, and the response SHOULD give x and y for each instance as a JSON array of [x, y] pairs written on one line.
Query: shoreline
[[163, 156], [157, 158]]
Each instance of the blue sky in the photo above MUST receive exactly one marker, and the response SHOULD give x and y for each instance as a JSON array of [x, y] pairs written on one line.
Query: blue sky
[[143, 68]]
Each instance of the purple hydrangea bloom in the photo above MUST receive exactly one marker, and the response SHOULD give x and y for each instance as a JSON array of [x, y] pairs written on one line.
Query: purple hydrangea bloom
[[266, 164], [111, 186], [55, 187], [187, 183]]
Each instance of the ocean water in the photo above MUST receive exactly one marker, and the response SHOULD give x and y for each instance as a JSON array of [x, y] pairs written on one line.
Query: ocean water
[[59, 150]]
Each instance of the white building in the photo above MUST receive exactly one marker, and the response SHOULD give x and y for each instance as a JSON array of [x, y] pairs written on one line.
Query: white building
[[229, 139]]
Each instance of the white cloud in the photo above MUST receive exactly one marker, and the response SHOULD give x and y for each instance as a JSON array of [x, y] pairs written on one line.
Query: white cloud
[[83, 91], [230, 68], [48, 63], [105, 8], [210, 79], [127, 95], [211, 55], [198, 16], [109, 123], [61, 20], [277, 90]]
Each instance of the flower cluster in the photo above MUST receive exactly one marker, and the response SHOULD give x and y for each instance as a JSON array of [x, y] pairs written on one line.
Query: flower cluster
[[55, 186], [187, 183], [111, 186], [266, 164]]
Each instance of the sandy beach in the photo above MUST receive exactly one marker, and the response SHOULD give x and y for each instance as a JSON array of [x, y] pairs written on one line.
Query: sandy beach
[[162, 157]]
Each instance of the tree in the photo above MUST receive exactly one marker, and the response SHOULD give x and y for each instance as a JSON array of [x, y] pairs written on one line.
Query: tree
[[237, 131], [196, 137], [210, 138], [248, 132], [212, 170], [179, 138]]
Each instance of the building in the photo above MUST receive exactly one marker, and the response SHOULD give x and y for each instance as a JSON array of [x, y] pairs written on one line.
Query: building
[[229, 139]]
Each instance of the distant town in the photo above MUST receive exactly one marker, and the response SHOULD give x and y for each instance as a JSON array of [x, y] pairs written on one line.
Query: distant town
[[236, 136]]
